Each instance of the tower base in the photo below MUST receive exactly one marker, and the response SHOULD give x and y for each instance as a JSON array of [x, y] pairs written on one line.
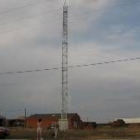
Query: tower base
[[63, 124]]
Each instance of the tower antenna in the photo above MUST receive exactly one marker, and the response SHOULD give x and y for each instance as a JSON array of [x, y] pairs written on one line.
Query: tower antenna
[[63, 122]]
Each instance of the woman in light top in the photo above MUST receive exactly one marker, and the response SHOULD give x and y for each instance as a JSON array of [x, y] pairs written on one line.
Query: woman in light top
[[39, 129]]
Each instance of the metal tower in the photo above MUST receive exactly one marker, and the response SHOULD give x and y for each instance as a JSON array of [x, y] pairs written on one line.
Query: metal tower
[[63, 122], [65, 62]]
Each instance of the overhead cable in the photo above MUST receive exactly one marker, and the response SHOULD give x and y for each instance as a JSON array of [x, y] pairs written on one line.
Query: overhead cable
[[73, 66]]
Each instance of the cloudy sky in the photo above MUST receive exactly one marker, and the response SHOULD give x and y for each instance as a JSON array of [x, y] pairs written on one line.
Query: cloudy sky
[[99, 30]]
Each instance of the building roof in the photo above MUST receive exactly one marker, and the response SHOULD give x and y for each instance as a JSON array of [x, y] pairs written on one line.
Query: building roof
[[70, 115], [131, 120], [21, 118]]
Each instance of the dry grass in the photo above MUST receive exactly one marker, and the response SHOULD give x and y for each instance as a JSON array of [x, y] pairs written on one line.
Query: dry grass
[[98, 133]]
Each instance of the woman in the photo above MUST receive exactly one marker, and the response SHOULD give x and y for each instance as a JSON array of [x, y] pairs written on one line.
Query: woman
[[39, 129]]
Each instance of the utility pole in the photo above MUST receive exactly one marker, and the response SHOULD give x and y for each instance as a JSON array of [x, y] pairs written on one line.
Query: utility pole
[[63, 122], [25, 112]]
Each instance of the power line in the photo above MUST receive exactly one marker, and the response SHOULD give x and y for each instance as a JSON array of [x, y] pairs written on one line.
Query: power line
[[107, 62], [73, 66], [35, 25]]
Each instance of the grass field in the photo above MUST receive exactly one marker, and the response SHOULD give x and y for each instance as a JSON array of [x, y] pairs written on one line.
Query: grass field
[[98, 133]]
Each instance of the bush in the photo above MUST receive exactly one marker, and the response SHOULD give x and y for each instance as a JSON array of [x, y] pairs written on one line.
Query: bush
[[118, 123], [89, 125]]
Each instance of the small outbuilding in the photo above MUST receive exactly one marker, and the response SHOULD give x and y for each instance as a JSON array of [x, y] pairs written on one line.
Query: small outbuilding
[[17, 122], [130, 120]]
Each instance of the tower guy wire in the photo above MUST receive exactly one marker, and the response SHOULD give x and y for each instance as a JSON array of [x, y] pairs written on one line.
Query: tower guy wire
[[71, 17], [22, 7]]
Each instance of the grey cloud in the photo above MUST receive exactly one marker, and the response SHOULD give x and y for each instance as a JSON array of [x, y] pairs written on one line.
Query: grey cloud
[[101, 92]]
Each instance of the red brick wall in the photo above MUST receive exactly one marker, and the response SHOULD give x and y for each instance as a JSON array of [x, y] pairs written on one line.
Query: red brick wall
[[32, 122]]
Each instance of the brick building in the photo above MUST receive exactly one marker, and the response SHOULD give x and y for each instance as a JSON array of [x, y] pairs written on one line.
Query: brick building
[[2, 120], [17, 122], [74, 120]]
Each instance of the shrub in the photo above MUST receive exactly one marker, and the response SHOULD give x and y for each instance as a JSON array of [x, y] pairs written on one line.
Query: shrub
[[118, 123]]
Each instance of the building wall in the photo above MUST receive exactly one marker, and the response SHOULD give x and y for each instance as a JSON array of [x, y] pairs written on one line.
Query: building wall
[[32, 122], [15, 123], [2, 122]]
